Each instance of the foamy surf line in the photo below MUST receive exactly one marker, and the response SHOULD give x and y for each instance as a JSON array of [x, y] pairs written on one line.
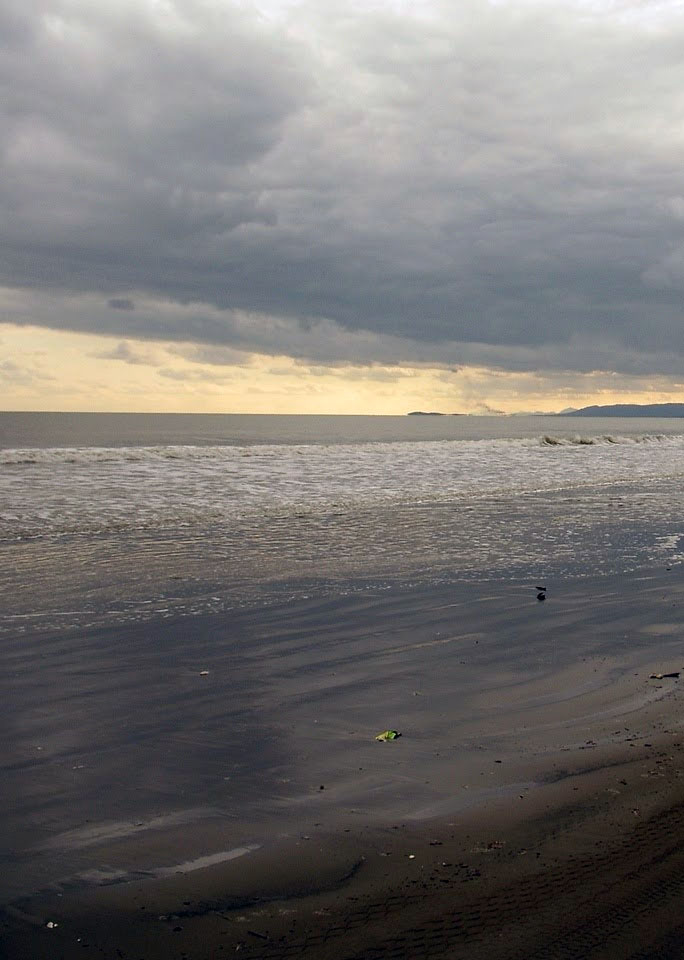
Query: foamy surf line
[[96, 492], [120, 830], [210, 860], [606, 439], [27, 456], [105, 877]]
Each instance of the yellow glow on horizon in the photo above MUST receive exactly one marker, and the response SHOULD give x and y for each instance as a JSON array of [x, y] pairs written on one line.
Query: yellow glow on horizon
[[42, 369]]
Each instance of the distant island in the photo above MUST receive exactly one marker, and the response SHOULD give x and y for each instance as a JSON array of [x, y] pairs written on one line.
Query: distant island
[[425, 413], [628, 410]]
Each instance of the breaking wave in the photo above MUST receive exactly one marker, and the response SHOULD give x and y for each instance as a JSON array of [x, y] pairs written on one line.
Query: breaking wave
[[99, 490], [607, 439], [84, 456], [97, 455]]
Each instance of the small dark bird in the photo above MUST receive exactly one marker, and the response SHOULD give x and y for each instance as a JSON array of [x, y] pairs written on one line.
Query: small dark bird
[[541, 595]]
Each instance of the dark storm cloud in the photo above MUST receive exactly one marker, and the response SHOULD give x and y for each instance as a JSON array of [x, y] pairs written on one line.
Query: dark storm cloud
[[474, 183], [121, 303]]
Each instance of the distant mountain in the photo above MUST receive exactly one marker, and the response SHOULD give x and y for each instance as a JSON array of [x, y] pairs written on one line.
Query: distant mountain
[[629, 410], [541, 413]]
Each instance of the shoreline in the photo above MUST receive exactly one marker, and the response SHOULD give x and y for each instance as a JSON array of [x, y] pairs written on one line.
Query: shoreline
[[507, 744], [448, 887]]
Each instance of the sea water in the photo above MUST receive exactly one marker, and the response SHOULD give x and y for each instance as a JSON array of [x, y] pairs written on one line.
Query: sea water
[[313, 539], [114, 518]]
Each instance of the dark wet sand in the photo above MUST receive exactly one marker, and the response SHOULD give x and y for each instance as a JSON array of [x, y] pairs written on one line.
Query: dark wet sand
[[533, 807]]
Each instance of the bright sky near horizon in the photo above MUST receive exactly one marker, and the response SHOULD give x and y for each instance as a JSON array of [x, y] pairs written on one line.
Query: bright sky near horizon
[[341, 207]]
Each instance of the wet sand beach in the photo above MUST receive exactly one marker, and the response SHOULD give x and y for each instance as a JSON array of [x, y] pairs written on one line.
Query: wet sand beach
[[212, 786]]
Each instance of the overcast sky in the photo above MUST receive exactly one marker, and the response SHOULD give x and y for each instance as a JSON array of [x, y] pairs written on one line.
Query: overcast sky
[[337, 193]]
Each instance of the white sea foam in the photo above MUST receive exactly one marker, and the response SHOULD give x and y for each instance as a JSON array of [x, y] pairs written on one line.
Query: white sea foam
[[104, 534], [84, 456], [97, 490], [604, 439]]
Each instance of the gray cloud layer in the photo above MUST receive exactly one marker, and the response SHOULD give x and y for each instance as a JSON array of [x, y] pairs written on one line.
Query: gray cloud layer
[[471, 183]]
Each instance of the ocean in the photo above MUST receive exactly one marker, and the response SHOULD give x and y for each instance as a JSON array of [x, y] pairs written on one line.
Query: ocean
[[206, 621], [118, 518]]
